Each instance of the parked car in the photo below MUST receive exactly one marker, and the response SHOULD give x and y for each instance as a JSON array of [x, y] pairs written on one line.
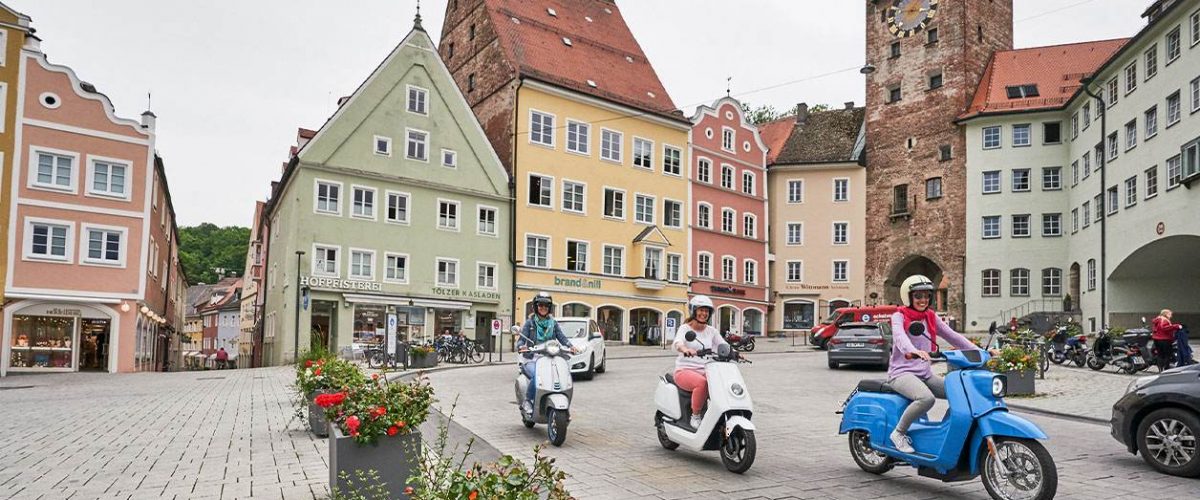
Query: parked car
[[820, 335], [1159, 417], [861, 344], [585, 336]]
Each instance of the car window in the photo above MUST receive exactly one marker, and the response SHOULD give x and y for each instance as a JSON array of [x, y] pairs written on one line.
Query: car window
[[593, 328], [829, 319], [860, 332], [574, 329]]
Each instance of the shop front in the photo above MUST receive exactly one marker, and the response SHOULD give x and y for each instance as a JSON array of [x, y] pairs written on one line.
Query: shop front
[[625, 312], [801, 306], [60, 337], [738, 308]]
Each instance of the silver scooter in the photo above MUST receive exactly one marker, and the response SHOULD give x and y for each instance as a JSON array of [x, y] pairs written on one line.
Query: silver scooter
[[552, 399]]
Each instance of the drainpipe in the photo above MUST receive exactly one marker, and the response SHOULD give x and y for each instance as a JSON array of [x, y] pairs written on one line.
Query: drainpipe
[[512, 212], [1102, 162]]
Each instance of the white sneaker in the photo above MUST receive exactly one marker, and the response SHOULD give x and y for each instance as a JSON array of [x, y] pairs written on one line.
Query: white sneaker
[[695, 421], [902, 442]]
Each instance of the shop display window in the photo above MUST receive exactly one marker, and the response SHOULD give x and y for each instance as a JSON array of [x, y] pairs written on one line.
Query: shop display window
[[42, 342], [370, 324]]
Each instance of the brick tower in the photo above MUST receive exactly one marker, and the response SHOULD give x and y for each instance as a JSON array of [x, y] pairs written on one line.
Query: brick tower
[[925, 59]]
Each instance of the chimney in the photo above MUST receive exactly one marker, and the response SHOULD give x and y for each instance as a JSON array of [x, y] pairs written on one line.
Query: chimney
[[849, 105], [801, 113], [149, 119]]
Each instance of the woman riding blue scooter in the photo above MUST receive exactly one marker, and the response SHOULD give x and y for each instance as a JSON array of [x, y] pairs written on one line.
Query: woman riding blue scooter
[[909, 372], [540, 327]]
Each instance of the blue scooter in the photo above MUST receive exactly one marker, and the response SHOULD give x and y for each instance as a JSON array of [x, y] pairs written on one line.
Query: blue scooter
[[978, 436]]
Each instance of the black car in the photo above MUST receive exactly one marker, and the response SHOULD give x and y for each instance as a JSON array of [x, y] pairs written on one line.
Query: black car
[[861, 344], [1159, 417]]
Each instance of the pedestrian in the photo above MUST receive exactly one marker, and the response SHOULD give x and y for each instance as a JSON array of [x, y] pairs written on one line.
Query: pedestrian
[[1012, 324], [222, 359], [1164, 339]]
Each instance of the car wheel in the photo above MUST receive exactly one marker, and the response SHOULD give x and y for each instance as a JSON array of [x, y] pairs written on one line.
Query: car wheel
[[833, 365], [1167, 440], [591, 369], [603, 363]]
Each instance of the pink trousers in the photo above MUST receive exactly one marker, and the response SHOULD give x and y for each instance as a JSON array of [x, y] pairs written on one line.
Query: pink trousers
[[696, 383]]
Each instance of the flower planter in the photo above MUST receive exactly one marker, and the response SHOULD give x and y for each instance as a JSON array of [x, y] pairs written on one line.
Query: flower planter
[[423, 360], [1020, 383], [316, 415], [393, 458]]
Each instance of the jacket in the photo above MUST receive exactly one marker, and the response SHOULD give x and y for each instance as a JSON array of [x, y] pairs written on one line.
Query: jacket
[[1163, 329]]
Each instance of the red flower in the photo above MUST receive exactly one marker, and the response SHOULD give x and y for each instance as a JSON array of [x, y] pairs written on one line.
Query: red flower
[[352, 423], [382, 411], [317, 371], [308, 363], [328, 400], [321, 362], [393, 430], [400, 424], [474, 494], [408, 490], [374, 376]]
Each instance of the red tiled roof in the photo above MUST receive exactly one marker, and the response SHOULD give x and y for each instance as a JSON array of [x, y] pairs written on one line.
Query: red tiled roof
[[775, 134], [306, 133], [602, 50], [1056, 70]]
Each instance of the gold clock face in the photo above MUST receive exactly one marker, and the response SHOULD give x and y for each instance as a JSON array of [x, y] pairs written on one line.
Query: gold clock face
[[908, 17]]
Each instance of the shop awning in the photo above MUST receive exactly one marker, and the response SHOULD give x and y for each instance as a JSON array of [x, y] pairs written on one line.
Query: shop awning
[[404, 301]]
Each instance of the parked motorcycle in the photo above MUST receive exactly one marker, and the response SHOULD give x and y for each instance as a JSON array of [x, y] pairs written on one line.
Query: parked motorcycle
[[726, 424], [1058, 345], [1077, 350], [744, 343], [1137, 354], [978, 436], [552, 399]]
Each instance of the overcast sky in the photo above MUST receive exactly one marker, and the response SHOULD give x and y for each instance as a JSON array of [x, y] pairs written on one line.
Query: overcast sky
[[231, 80]]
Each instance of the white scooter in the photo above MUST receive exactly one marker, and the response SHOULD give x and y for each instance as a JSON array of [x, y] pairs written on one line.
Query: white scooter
[[552, 399], [726, 424]]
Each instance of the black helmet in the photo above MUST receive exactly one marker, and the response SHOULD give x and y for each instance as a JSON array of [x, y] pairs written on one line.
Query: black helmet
[[543, 298]]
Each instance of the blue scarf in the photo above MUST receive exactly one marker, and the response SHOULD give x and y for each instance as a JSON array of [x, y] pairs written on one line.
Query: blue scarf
[[543, 328]]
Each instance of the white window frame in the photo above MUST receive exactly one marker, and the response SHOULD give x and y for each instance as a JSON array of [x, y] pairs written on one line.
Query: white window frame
[[728, 139], [375, 146], [700, 176], [89, 189], [350, 264], [624, 203], [699, 220], [437, 272], [425, 144], [725, 167], [529, 185], [990, 283], [1046, 176], [68, 246], [732, 227], [983, 230], [1012, 230], [1053, 234], [424, 100], [800, 199], [846, 269], [1176, 32], [1131, 195], [750, 271], [122, 250], [1151, 62], [833, 233], [604, 253], [749, 221], [1178, 97], [587, 255], [549, 253], [787, 233], [317, 196], [649, 147], [620, 146], [583, 197], [674, 273], [387, 268], [731, 276], [658, 260], [999, 137], [753, 184], [337, 263], [407, 207], [999, 182], [1131, 80], [700, 271], [637, 216], [1028, 180], [551, 133], [479, 210], [1151, 187], [682, 213], [453, 158], [846, 194], [787, 271], [573, 127], [479, 275], [374, 202], [457, 227], [1028, 135], [33, 183], [678, 166]]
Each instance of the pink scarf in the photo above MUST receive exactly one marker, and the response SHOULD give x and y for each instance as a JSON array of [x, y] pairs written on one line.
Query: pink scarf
[[928, 316]]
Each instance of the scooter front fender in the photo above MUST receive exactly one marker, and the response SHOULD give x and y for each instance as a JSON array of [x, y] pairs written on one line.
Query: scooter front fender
[[736, 421], [1000, 423], [558, 401]]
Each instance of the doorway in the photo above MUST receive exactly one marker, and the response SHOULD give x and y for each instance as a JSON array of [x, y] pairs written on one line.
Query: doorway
[[647, 327], [727, 320], [1073, 292], [324, 316], [93, 353], [483, 328]]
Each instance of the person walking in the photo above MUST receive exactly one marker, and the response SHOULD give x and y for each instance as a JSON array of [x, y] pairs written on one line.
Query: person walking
[[1164, 339], [222, 359]]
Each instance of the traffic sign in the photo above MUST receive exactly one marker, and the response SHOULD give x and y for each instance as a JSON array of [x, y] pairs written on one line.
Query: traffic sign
[[497, 326]]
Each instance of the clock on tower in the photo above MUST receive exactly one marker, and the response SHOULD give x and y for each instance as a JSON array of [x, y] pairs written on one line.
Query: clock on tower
[[908, 17]]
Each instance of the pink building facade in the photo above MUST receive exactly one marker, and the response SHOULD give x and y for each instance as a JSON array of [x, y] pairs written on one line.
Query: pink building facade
[[93, 248], [729, 217]]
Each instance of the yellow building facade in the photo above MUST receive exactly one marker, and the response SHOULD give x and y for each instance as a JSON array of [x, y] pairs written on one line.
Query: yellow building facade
[[602, 193], [14, 27]]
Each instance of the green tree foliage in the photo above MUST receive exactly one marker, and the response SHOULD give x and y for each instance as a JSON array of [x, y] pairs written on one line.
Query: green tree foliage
[[205, 248], [767, 113]]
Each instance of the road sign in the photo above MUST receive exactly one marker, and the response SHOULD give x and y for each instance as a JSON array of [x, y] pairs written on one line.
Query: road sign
[[391, 332], [670, 323], [497, 326]]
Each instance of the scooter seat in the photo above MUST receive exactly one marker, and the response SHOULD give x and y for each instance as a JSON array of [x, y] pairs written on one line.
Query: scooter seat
[[671, 380], [875, 385]]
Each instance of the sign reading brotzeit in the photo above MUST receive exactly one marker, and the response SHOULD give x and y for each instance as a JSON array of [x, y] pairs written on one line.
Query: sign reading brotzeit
[[340, 284]]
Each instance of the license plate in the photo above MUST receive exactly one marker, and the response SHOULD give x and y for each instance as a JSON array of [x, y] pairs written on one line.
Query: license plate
[[856, 344]]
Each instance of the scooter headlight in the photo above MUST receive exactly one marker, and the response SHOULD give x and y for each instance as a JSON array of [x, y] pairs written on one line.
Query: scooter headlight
[[553, 349], [999, 386], [737, 389]]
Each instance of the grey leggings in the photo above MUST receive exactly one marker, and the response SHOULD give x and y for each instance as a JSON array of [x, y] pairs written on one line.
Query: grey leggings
[[921, 392]]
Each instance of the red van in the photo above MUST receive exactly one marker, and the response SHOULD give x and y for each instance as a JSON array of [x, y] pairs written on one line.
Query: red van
[[821, 334]]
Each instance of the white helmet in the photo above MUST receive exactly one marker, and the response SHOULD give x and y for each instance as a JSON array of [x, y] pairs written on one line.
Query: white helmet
[[698, 302], [914, 283]]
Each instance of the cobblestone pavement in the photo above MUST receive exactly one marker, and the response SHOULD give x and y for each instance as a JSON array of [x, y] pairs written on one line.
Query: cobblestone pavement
[[612, 452]]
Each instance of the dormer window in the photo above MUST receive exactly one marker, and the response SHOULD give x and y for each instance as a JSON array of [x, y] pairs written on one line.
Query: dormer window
[[1022, 91]]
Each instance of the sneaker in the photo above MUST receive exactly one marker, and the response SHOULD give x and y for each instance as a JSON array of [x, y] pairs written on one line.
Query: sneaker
[[902, 442], [527, 407], [695, 421]]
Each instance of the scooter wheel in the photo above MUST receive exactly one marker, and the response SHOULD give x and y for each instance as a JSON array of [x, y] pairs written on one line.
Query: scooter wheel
[[1058, 358], [737, 452], [866, 457], [1031, 471], [556, 426], [1094, 363], [663, 439]]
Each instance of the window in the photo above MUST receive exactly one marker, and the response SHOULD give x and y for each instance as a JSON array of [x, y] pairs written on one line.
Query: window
[[933, 188], [485, 276], [614, 258], [1173, 113], [449, 158], [486, 224], [1174, 171], [894, 94], [540, 190], [672, 157], [1021, 135], [448, 215], [672, 213], [935, 80], [573, 197], [1051, 225], [447, 272], [1018, 280], [1087, 164], [841, 190], [643, 209], [1020, 226], [795, 233], [895, 50], [727, 139], [417, 98], [577, 256], [653, 263], [750, 271], [1098, 202], [1151, 122], [1114, 200], [795, 271], [104, 246], [1074, 220], [1151, 182], [397, 208], [1074, 172], [1051, 133], [1051, 178], [471, 82], [991, 282], [704, 216], [991, 227], [1075, 126], [674, 268], [1114, 87], [328, 201], [945, 152], [397, 268], [363, 202], [1194, 23], [1052, 282], [900, 199], [1131, 78], [643, 153], [795, 191], [1022, 91], [1130, 135], [991, 182], [1196, 95], [704, 171], [841, 271], [614, 203], [418, 145], [1020, 179], [610, 145], [578, 137], [108, 179], [325, 260], [931, 35], [537, 251], [383, 146], [541, 128], [726, 176], [1131, 191], [727, 216], [748, 185], [727, 264], [1113, 148], [1151, 61], [54, 171], [704, 265], [991, 137], [749, 226], [1091, 274], [1173, 45], [362, 264], [1191, 160], [1087, 114], [1085, 214]]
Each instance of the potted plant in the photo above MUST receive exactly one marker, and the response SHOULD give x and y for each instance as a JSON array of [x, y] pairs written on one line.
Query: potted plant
[[422, 356], [1018, 364], [323, 375], [374, 428]]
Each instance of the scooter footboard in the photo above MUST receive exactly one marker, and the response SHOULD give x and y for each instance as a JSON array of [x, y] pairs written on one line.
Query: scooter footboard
[[876, 413], [1000, 423]]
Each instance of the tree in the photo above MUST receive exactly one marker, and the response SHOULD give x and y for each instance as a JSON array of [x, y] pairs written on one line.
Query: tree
[[767, 113], [206, 248]]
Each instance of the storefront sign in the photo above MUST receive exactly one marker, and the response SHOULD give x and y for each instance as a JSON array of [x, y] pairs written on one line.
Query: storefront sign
[[340, 284], [588, 283], [469, 294], [63, 312], [808, 286], [728, 290]]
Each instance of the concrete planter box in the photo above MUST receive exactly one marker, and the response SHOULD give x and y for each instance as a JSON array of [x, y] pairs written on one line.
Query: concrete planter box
[[1020, 383], [316, 415], [423, 360], [393, 458]]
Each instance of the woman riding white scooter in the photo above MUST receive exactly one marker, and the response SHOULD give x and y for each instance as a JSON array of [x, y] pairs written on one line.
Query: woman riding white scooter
[[540, 327], [909, 372], [689, 370]]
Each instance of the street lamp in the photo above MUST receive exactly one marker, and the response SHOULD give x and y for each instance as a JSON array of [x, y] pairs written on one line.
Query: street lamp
[[296, 338]]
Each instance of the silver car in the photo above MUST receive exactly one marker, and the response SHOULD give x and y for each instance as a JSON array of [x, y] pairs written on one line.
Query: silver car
[[861, 344]]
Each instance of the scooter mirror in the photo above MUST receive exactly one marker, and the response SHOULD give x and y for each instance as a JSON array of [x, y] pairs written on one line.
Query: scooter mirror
[[916, 329], [516, 330], [690, 336], [992, 328]]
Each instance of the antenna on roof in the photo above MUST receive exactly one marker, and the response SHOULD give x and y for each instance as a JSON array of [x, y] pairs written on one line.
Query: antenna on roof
[[417, 20], [728, 85], [147, 101]]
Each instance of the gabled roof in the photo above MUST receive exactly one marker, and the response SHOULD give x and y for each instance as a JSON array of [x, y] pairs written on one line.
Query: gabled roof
[[1055, 70], [602, 50], [829, 136], [652, 235]]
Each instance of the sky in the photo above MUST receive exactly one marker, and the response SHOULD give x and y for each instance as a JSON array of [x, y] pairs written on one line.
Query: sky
[[231, 80]]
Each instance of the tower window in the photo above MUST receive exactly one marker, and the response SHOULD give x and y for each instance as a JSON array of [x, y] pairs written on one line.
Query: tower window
[[931, 36], [895, 50], [893, 93], [935, 80], [979, 33], [450, 51], [944, 152], [471, 32], [471, 82]]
